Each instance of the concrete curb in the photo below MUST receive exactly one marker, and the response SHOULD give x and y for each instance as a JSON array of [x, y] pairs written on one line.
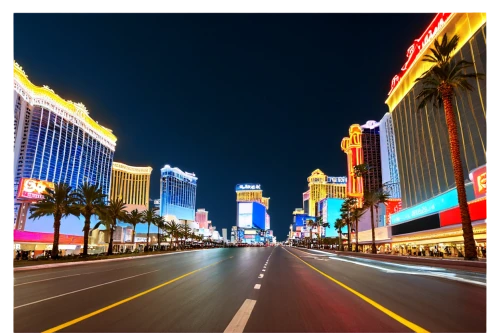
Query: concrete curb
[[29, 268], [422, 261]]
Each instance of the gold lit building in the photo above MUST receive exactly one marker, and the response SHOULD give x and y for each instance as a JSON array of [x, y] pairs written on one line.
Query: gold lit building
[[131, 184], [251, 192], [322, 186]]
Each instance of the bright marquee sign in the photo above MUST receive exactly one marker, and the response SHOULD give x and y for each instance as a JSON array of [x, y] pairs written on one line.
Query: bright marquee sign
[[419, 45], [33, 189], [248, 187]]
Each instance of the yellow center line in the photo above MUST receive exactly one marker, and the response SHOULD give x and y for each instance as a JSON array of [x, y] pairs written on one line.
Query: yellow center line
[[79, 319], [407, 323]]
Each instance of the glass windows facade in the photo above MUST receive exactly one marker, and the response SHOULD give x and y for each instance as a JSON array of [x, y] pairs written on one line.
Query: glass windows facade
[[56, 140], [178, 193], [57, 150], [423, 154], [389, 164]]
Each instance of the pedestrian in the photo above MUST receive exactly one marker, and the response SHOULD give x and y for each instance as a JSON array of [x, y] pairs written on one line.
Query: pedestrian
[[32, 254], [18, 255]]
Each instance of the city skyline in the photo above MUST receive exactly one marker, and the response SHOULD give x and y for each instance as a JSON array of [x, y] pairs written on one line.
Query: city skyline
[[219, 161]]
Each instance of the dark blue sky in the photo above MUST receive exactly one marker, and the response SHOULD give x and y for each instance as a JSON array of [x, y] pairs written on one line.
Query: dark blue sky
[[262, 98]]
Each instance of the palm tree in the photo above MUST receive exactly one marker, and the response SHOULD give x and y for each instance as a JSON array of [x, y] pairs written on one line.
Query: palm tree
[[347, 207], [160, 223], [171, 228], [185, 230], [372, 200], [356, 216], [134, 218], [149, 216], [89, 199], [339, 223], [110, 214], [440, 84], [361, 170], [58, 202], [311, 224]]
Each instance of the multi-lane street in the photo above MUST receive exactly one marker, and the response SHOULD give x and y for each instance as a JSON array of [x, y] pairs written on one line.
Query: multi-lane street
[[277, 289]]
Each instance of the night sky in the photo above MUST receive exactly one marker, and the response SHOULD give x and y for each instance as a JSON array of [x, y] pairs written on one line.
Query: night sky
[[234, 98]]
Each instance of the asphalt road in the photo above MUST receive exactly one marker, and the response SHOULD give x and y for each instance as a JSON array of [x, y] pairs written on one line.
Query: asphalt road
[[244, 290]]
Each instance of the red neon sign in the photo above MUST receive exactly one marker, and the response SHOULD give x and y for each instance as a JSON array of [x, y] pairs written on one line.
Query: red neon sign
[[477, 211], [478, 178], [419, 44]]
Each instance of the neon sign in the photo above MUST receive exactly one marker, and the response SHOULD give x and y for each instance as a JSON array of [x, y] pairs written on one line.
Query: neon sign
[[478, 178], [243, 187], [419, 45], [337, 180]]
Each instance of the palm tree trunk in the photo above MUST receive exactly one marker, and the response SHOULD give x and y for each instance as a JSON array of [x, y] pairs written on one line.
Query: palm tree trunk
[[159, 239], [86, 229], [55, 243], [171, 240], [348, 236], [110, 246], [147, 239], [340, 239], [374, 248], [468, 232], [133, 236], [357, 238]]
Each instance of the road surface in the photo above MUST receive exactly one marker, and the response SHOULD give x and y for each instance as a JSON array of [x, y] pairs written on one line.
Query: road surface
[[270, 289]]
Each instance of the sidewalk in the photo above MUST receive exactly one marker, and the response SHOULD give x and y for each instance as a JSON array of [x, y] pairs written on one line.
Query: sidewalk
[[96, 261], [452, 263]]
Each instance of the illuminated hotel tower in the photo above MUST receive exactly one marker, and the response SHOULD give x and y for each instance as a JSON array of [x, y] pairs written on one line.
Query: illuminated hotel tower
[[352, 147], [322, 186], [131, 184], [56, 140], [177, 194]]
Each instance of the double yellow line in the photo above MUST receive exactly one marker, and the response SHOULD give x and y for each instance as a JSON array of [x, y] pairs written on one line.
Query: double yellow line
[[79, 319], [407, 323]]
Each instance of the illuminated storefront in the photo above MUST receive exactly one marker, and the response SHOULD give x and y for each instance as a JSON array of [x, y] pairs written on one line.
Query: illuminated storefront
[[131, 184], [322, 186], [56, 140]]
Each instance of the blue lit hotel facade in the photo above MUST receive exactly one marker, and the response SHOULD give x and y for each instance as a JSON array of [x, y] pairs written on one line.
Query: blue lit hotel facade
[[177, 194], [55, 140]]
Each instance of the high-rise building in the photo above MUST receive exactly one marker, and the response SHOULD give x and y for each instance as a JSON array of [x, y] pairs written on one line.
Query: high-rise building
[[177, 194], [55, 140], [322, 186], [352, 147], [224, 235], [370, 146], [131, 184], [389, 162], [201, 217]]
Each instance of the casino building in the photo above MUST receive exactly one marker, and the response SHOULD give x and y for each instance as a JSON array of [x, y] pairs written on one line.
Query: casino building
[[322, 186], [429, 222], [177, 194], [131, 184], [253, 222], [55, 140]]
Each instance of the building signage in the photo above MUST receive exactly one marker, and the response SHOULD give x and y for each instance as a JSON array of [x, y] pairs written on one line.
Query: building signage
[[247, 187], [337, 180], [392, 206], [437, 204], [478, 178], [33, 189], [419, 45]]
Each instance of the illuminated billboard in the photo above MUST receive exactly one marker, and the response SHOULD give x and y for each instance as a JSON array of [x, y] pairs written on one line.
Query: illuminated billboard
[[478, 178], [251, 215], [32, 189], [248, 187], [245, 210], [268, 222]]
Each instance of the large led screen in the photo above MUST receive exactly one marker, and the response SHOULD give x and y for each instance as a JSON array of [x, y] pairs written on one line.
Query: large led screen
[[259, 216], [245, 210]]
